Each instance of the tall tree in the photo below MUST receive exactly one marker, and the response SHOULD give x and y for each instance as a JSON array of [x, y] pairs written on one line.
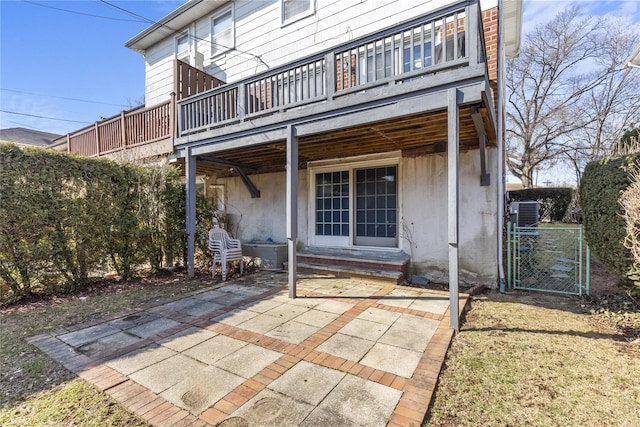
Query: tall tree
[[564, 90], [613, 106]]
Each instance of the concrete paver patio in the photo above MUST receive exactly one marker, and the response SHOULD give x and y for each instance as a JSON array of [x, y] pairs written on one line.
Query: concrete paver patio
[[346, 352]]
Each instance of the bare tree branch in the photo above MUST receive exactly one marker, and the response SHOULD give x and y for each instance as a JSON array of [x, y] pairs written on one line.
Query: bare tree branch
[[568, 97]]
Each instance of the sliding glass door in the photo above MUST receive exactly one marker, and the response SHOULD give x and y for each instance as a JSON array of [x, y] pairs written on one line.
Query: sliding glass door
[[362, 214]]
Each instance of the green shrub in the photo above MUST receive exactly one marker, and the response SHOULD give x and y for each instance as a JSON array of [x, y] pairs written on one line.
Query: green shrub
[[66, 219], [553, 202], [25, 212], [600, 190]]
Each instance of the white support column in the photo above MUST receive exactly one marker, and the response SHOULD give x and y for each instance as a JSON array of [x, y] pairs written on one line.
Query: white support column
[[292, 205], [190, 162], [452, 212]]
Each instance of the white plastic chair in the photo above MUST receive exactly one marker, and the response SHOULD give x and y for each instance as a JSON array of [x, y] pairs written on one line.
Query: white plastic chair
[[225, 249]]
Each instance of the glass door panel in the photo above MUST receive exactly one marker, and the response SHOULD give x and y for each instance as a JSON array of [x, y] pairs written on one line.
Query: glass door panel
[[376, 206], [332, 212]]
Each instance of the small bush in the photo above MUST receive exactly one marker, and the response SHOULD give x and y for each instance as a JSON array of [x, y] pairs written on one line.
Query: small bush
[[553, 202]]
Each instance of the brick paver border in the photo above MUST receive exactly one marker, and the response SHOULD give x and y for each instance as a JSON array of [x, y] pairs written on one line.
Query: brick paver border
[[410, 410]]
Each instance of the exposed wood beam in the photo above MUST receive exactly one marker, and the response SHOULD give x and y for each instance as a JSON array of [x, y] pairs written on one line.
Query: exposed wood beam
[[485, 178], [253, 190], [238, 167], [227, 163]]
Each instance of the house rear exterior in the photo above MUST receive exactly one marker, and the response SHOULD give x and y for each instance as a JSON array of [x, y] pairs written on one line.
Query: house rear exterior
[[344, 125]]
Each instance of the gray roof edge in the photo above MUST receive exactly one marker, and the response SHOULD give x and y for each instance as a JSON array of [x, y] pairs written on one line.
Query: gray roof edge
[[634, 59], [512, 14], [131, 43]]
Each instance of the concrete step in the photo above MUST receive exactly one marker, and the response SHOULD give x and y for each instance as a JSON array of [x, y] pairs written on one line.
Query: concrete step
[[394, 277], [391, 266], [392, 260]]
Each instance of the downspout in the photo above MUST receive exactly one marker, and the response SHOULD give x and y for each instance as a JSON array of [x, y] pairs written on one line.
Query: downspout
[[500, 141]]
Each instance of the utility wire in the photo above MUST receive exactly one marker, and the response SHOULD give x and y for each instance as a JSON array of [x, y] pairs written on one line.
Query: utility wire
[[28, 126], [178, 32], [80, 13], [43, 117], [62, 97]]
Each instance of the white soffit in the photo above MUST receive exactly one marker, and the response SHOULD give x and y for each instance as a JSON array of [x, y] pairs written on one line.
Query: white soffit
[[175, 21], [512, 27]]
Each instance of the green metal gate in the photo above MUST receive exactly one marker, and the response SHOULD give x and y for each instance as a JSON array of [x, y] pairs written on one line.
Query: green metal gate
[[548, 258]]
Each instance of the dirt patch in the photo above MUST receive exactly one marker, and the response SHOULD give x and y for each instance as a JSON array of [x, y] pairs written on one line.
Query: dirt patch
[[603, 282]]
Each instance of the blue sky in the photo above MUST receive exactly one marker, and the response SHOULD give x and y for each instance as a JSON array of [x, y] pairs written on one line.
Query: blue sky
[[47, 54]]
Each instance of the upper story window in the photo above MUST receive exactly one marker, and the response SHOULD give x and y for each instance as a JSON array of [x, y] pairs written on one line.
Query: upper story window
[[182, 45], [222, 32], [296, 9]]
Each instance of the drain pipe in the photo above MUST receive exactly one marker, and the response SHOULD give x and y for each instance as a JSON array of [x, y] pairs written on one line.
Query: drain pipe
[[500, 142]]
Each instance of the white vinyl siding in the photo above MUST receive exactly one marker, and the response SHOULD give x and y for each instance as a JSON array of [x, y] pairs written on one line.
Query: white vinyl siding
[[222, 32]]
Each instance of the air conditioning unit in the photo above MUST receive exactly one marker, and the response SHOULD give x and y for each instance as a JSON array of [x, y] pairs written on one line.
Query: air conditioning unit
[[525, 214]]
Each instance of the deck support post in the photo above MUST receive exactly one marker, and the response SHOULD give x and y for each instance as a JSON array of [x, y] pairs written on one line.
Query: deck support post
[[190, 163], [452, 211], [292, 206]]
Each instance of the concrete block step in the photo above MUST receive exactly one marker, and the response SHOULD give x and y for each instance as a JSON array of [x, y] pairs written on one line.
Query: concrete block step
[[394, 277], [398, 265]]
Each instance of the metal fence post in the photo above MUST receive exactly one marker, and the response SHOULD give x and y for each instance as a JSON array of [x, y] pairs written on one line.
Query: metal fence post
[[580, 257], [509, 254], [588, 273]]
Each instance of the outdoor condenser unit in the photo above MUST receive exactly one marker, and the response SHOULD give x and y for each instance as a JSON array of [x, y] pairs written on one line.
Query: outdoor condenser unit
[[524, 214]]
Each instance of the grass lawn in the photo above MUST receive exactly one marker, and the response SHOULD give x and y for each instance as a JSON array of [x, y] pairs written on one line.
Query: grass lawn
[[527, 358]]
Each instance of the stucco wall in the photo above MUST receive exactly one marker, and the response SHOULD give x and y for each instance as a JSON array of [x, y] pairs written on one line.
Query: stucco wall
[[424, 181], [423, 209], [264, 217]]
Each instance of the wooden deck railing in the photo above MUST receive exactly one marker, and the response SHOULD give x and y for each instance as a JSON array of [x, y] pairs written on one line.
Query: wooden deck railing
[[141, 125], [405, 52], [128, 129]]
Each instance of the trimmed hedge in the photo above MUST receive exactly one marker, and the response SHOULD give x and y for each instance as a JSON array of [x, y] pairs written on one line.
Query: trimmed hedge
[[601, 187], [66, 219], [553, 202]]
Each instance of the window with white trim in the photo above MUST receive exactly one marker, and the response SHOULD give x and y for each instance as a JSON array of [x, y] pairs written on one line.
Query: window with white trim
[[296, 9], [182, 45], [222, 32]]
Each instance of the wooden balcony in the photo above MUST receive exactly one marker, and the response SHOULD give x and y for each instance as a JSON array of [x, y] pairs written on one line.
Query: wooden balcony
[[398, 62], [419, 58], [141, 126]]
